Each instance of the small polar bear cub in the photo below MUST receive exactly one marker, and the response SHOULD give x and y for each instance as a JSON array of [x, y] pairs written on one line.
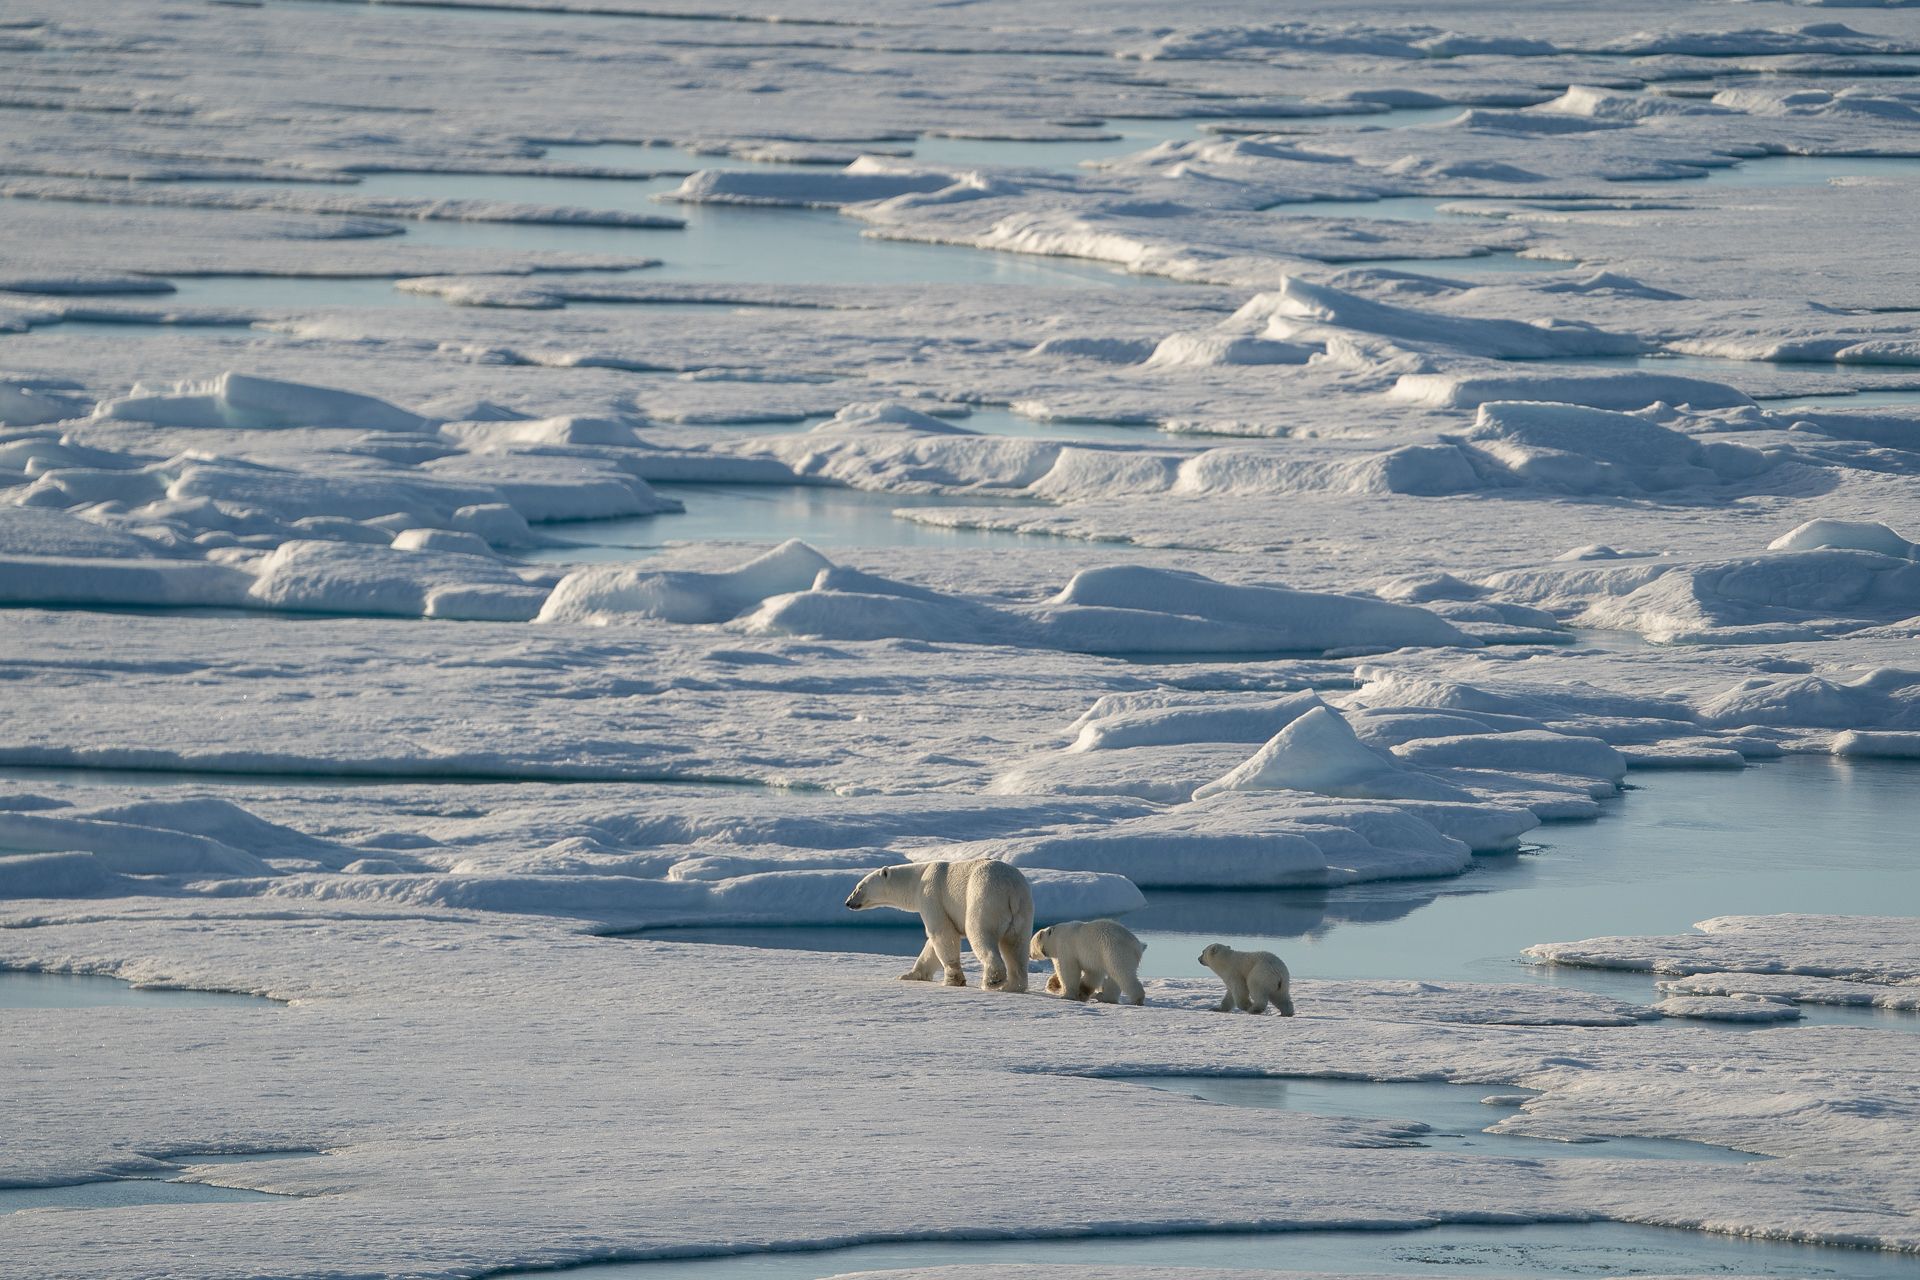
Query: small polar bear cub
[[1099, 958], [987, 903], [1254, 979]]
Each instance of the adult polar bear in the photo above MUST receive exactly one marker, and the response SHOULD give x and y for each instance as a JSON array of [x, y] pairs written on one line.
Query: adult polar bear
[[987, 902]]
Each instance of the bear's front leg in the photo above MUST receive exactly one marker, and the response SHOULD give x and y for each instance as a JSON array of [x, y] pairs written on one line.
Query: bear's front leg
[[946, 944], [923, 968], [1226, 1003]]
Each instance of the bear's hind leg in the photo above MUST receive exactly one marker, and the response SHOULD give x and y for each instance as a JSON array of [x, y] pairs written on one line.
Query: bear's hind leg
[[1237, 992], [1016, 960], [993, 966], [1131, 989]]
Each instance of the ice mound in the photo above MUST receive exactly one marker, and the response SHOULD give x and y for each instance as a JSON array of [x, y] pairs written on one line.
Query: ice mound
[[449, 540], [41, 531], [1127, 609], [1292, 620], [1885, 698], [1319, 753], [66, 580], [883, 417], [542, 486], [1613, 105], [236, 401], [1515, 703], [1105, 350], [1520, 751], [1782, 595], [1872, 744], [566, 429], [1299, 310], [1581, 450], [1745, 1007], [608, 593], [27, 401], [351, 578], [71, 874], [1419, 469], [1109, 727], [230, 824], [127, 847], [1623, 390], [1855, 100], [901, 454], [1209, 349], [1853, 535], [1275, 40]]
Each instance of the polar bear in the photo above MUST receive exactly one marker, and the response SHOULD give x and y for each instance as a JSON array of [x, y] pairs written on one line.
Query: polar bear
[[1099, 958], [987, 902], [1253, 979]]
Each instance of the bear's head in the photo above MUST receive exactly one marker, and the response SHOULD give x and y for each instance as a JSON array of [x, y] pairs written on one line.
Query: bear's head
[[1213, 953], [876, 889], [1037, 949]]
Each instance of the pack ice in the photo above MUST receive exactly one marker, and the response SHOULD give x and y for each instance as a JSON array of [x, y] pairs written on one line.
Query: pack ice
[[507, 515]]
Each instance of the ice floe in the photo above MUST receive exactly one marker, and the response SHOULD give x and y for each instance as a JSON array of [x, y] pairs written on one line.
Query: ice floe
[[1305, 618]]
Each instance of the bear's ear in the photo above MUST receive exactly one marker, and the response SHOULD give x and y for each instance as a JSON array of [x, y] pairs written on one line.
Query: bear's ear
[[885, 872]]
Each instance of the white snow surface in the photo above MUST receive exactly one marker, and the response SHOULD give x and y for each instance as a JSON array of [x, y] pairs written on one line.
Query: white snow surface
[[511, 1187], [1288, 496]]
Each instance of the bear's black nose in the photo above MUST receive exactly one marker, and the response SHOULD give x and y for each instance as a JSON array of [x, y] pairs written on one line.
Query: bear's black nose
[[851, 904]]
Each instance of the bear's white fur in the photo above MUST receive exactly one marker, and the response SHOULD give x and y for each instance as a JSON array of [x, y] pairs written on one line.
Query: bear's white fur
[[1099, 958], [984, 901], [1254, 979]]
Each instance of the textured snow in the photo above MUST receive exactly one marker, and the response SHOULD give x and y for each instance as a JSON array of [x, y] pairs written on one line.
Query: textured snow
[[498, 1197], [1393, 429]]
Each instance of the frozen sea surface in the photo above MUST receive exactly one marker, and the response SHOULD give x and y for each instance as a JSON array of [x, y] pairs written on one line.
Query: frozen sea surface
[[1599, 1249], [1428, 465]]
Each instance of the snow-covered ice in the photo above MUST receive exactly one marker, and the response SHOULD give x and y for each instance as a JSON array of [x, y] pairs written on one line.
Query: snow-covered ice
[[1359, 437]]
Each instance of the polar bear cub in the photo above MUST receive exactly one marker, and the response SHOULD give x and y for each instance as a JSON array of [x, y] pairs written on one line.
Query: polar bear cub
[[1099, 958], [988, 903], [1254, 979]]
